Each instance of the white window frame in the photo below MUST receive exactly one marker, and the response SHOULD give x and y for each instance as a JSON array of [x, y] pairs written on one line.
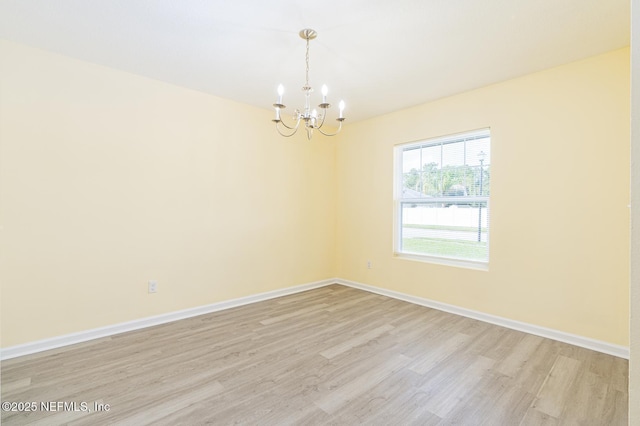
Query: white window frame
[[398, 203]]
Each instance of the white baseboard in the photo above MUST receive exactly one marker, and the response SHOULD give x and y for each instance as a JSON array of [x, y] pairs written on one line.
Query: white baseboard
[[573, 339], [96, 333]]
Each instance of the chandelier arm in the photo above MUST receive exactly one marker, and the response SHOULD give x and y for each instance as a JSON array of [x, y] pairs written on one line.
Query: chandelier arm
[[332, 134], [324, 115], [295, 129], [290, 127]]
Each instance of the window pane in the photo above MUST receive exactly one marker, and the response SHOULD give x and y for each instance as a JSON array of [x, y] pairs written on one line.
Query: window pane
[[411, 159], [411, 184], [456, 229], [478, 149], [431, 156], [453, 154], [457, 180], [431, 161]]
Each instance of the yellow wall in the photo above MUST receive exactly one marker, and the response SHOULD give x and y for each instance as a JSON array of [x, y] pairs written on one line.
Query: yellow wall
[[108, 180], [634, 360], [559, 239]]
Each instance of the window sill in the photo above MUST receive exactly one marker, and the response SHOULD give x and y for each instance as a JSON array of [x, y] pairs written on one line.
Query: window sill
[[458, 263]]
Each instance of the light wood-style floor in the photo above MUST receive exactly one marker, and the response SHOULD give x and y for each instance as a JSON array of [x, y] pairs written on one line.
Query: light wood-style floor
[[333, 355]]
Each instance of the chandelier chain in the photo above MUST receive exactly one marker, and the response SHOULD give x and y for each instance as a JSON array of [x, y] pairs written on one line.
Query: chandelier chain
[[307, 60]]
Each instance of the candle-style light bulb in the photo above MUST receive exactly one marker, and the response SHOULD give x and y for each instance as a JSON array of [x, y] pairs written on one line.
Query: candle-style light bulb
[[341, 105], [280, 92], [325, 90]]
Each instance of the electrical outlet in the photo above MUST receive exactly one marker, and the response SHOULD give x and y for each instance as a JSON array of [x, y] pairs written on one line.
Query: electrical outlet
[[153, 286], [368, 264]]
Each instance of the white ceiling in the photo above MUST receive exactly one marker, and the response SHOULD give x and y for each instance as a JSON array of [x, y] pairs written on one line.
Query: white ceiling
[[379, 56]]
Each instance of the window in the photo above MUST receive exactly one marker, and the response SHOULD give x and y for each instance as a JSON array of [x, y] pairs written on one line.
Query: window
[[442, 190]]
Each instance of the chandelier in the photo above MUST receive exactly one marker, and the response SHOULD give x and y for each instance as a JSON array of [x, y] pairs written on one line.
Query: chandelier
[[313, 120]]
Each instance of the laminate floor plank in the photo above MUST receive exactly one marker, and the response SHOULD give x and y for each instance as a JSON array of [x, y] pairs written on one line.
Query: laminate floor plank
[[507, 406], [555, 391], [440, 350], [519, 355], [536, 418], [332, 355], [458, 387]]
